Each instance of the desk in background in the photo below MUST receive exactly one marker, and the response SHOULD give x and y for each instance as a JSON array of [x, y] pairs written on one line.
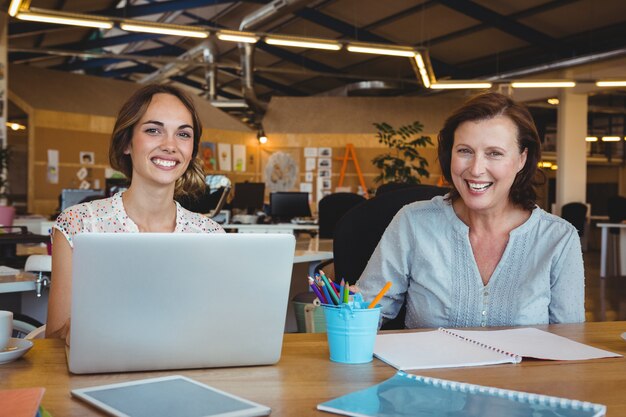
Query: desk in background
[[604, 247], [309, 253], [271, 228], [18, 294], [604, 253], [305, 376]]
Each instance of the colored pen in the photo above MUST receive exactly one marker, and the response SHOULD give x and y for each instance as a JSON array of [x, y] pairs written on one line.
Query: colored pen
[[342, 288], [338, 287], [334, 287], [333, 295], [346, 292], [380, 295], [327, 295], [316, 290]]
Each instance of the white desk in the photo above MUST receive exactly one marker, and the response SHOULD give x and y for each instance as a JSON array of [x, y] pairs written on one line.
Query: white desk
[[271, 228], [603, 248], [24, 281], [603, 259], [303, 256], [38, 225]]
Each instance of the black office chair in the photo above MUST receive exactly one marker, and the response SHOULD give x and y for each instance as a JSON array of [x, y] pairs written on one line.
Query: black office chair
[[393, 186], [576, 214], [331, 208], [206, 202], [616, 209], [357, 233]]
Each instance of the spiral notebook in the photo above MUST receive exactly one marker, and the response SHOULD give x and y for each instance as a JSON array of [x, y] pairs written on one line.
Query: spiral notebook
[[447, 348], [413, 395]]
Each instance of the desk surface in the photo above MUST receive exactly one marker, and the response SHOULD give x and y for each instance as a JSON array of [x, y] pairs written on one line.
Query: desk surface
[[305, 376], [24, 281]]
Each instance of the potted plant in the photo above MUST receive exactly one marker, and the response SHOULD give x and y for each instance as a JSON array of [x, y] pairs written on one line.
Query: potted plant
[[403, 163]]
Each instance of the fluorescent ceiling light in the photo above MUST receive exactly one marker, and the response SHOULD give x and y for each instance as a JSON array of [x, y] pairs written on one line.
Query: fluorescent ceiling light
[[234, 36], [611, 138], [229, 104], [591, 139], [162, 29], [421, 66], [611, 83], [14, 7], [554, 101], [65, 19], [460, 84], [543, 84], [303, 42], [381, 50]]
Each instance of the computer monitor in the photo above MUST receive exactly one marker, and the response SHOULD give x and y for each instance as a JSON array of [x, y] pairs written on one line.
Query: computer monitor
[[73, 196], [249, 196], [115, 185], [285, 206]]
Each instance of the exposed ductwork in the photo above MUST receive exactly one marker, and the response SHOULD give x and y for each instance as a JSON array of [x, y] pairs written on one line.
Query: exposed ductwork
[[210, 73], [263, 15], [566, 63], [170, 69]]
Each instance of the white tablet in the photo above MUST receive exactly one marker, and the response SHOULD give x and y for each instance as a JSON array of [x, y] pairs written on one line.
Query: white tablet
[[168, 396]]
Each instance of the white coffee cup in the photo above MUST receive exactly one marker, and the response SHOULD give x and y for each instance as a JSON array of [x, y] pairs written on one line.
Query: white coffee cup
[[6, 328]]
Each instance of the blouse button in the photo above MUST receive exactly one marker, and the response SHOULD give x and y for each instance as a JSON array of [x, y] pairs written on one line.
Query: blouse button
[[484, 313]]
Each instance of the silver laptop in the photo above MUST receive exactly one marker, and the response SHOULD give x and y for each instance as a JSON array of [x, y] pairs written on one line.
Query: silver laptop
[[154, 301]]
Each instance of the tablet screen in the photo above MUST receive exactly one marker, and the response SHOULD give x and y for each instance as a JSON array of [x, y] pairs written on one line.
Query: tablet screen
[[169, 396]]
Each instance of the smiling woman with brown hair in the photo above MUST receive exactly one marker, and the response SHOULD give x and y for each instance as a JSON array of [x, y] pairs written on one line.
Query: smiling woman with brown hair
[[154, 143], [485, 254]]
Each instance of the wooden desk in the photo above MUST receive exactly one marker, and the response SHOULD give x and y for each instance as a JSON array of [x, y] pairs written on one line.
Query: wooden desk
[[305, 376]]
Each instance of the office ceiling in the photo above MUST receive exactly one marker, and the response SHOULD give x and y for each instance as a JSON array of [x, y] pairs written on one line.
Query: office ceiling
[[479, 39]]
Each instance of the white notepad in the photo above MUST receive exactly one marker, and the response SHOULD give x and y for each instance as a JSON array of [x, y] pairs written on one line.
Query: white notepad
[[412, 395], [445, 348]]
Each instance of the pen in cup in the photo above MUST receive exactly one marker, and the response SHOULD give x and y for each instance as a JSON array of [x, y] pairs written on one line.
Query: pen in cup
[[316, 290], [380, 295]]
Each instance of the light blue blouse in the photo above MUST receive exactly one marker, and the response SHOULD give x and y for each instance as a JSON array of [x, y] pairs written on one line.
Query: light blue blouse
[[427, 255]]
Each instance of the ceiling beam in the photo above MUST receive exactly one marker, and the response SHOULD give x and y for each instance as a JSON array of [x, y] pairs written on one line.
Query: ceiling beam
[[594, 41], [91, 44], [82, 64], [501, 22], [339, 26]]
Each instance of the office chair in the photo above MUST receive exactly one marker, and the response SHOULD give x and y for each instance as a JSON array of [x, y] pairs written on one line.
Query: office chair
[[576, 214], [331, 208], [207, 202], [393, 186], [357, 233], [221, 202]]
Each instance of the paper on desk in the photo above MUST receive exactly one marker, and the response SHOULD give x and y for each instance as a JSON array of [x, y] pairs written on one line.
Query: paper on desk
[[445, 348], [535, 343], [5, 270]]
